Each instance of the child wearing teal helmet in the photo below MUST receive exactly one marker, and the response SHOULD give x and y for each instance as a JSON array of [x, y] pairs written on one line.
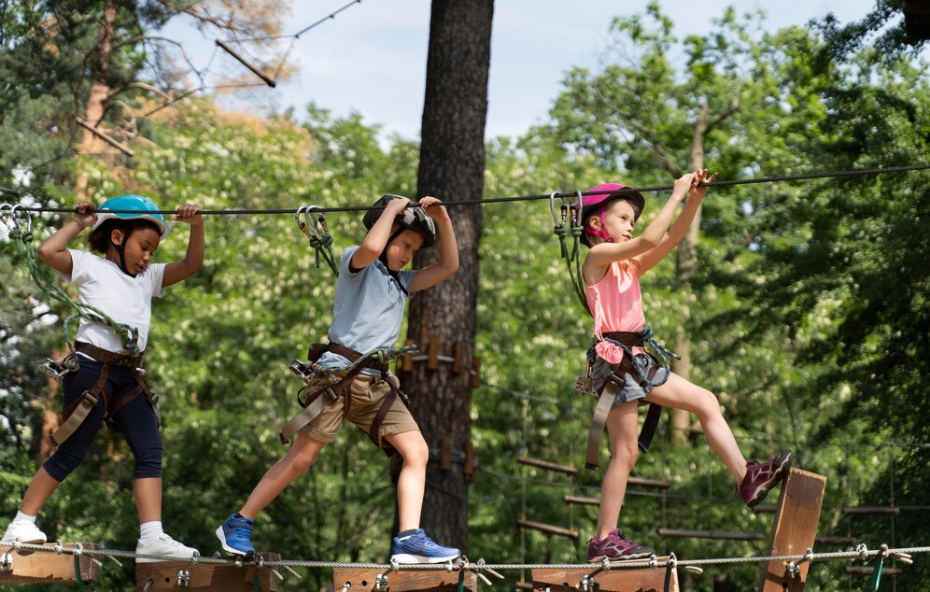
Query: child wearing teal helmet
[[108, 385]]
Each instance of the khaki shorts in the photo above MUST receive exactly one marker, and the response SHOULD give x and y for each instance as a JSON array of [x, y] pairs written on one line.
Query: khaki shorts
[[367, 394]]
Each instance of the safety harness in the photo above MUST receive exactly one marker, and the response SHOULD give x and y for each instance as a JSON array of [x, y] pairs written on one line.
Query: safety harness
[[75, 413], [615, 382], [340, 386]]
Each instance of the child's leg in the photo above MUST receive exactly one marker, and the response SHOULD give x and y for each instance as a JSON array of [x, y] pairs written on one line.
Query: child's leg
[[622, 424], [40, 489], [147, 493], [294, 464], [678, 393], [412, 479]]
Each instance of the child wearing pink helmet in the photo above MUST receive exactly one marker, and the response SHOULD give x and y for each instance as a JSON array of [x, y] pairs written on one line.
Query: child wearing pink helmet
[[106, 384], [622, 367]]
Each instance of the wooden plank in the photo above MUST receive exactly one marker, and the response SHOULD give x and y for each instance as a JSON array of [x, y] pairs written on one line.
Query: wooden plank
[[40, 567], [363, 580], [871, 511], [794, 529], [549, 466], [170, 575], [614, 580], [549, 529]]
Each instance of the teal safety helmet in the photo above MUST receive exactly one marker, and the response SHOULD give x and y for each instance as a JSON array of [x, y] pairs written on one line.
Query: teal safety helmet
[[146, 209]]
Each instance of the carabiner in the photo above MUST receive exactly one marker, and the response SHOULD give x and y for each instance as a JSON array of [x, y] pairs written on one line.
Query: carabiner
[[17, 211], [577, 208], [305, 225]]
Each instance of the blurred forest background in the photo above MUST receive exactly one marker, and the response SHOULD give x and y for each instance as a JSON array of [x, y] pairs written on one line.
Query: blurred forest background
[[806, 306]]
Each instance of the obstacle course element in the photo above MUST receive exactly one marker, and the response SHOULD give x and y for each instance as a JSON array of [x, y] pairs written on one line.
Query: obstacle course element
[[610, 577], [793, 530], [366, 579], [230, 577], [19, 566]]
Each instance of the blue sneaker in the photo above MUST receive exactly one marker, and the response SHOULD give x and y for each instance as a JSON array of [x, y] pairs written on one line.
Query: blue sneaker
[[419, 548], [236, 535]]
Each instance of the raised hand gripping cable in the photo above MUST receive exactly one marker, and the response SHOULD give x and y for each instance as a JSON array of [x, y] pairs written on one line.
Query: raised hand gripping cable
[[19, 222], [312, 222], [569, 221]]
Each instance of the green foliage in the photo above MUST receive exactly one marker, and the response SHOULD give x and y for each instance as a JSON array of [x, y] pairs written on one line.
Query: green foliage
[[808, 307]]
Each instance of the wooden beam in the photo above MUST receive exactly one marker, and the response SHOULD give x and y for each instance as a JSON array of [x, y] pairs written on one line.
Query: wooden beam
[[39, 567], [359, 579], [614, 580], [177, 575], [549, 466], [871, 511], [549, 529], [867, 570], [794, 529]]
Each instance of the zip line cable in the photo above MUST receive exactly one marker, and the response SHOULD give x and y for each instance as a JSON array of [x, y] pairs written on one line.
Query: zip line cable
[[549, 196]]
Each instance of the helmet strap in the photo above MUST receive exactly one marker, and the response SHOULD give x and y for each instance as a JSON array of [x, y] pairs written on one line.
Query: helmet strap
[[602, 231], [383, 259], [121, 249]]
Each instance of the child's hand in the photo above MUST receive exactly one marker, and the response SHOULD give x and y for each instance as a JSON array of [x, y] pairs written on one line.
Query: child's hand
[[397, 205], [434, 208], [683, 186], [190, 214], [86, 214], [701, 177]]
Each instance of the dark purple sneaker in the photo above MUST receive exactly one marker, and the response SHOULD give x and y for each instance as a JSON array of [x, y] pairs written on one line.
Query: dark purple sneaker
[[761, 477], [616, 547]]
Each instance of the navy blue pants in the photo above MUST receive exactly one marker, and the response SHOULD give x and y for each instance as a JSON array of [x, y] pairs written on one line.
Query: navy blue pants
[[136, 422]]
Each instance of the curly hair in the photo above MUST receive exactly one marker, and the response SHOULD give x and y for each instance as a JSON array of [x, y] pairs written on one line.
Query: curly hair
[[99, 239]]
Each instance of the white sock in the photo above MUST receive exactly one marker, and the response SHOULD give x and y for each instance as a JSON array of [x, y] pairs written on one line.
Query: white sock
[[150, 531], [25, 517]]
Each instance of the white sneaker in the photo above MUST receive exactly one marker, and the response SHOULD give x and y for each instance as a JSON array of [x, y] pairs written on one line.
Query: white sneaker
[[25, 531], [164, 546]]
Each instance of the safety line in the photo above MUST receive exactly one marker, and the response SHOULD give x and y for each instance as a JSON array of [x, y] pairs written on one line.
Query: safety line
[[549, 196]]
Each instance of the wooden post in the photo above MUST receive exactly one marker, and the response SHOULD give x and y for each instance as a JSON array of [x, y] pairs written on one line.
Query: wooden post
[[433, 362], [358, 579], [794, 529], [176, 575], [40, 567], [615, 580]]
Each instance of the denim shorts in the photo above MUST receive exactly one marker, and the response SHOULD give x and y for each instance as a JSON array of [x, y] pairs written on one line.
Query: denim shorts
[[633, 389]]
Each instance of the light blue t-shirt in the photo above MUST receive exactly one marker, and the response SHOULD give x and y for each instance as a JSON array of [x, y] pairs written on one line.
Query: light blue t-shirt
[[368, 310]]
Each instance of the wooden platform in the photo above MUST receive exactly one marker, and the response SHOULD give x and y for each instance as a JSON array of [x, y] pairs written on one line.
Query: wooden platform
[[351, 579], [175, 575], [39, 567], [614, 580], [793, 530]]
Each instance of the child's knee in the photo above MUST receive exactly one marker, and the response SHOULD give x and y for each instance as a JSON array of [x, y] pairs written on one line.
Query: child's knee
[[626, 452], [704, 404], [415, 452]]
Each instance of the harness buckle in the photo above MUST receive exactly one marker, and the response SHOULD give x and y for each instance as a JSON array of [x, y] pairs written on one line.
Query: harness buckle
[[585, 385]]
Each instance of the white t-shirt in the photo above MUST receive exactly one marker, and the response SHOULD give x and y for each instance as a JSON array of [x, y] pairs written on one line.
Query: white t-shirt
[[123, 298]]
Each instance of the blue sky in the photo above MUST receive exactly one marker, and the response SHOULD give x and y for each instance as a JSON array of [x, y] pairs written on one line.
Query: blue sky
[[372, 57]]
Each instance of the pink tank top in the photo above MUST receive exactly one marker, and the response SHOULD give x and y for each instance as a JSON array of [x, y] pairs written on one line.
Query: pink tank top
[[617, 305]]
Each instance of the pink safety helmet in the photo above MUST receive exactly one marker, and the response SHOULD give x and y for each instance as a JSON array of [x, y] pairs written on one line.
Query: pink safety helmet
[[591, 204]]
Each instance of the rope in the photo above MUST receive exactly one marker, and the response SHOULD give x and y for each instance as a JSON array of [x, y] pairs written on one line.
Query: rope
[[490, 200], [21, 235], [861, 553]]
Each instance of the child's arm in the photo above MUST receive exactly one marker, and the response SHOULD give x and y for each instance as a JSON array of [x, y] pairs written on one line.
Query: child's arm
[[679, 229], [448, 248], [377, 238], [181, 270], [601, 256], [54, 250]]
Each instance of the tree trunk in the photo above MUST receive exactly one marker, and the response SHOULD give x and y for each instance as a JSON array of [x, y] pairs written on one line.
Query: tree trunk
[[687, 262], [452, 160], [93, 111]]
